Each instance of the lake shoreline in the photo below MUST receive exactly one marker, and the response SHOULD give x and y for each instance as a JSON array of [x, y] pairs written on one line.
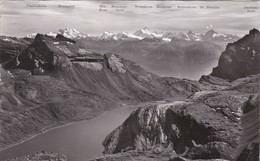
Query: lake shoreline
[[52, 127], [42, 131], [97, 115]]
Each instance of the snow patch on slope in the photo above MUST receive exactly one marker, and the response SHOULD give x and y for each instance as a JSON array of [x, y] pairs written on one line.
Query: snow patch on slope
[[166, 39], [218, 35], [6, 39], [200, 94], [133, 36], [91, 65], [17, 61], [32, 36]]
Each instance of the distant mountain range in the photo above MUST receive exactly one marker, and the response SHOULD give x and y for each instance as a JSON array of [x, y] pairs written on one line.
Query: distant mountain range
[[145, 33], [188, 55]]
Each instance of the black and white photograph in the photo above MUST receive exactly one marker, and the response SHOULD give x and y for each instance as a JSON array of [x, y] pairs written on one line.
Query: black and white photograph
[[129, 80]]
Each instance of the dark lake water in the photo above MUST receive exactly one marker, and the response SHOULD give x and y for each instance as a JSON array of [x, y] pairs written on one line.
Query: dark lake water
[[79, 141]]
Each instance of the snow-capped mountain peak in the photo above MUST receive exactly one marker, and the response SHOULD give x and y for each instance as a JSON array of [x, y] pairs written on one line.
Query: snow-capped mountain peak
[[119, 36], [147, 33], [193, 36], [146, 30], [31, 35], [108, 33], [213, 35], [182, 36], [210, 33], [190, 32], [67, 32], [129, 35], [52, 34], [71, 33]]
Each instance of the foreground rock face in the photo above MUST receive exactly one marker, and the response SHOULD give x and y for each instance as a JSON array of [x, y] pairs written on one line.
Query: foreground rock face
[[249, 141], [240, 59], [41, 156], [204, 126]]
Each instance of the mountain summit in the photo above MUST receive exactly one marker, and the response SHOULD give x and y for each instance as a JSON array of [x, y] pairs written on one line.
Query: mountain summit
[[67, 32], [147, 33], [71, 33]]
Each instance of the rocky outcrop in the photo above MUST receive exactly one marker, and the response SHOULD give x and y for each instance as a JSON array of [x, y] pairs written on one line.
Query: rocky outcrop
[[62, 38], [240, 59], [214, 81], [204, 126], [144, 129], [248, 148], [41, 55]]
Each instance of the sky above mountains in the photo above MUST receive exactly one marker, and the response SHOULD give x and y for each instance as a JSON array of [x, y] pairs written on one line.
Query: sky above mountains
[[21, 18]]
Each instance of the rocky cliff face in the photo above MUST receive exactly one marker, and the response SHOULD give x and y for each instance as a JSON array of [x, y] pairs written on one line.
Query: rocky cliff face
[[249, 141], [240, 59], [204, 126]]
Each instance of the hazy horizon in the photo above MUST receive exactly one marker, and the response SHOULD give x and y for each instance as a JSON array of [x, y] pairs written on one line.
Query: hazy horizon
[[19, 20]]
